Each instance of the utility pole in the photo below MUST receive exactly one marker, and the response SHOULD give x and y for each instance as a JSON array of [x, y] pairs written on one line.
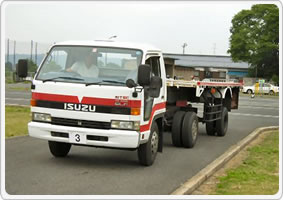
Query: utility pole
[[184, 46], [14, 53], [31, 48], [214, 48], [7, 59], [35, 53]]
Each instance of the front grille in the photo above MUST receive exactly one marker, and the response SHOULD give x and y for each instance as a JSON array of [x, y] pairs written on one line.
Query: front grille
[[80, 123]]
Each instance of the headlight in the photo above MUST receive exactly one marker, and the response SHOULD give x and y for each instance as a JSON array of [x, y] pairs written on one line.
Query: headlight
[[41, 117], [130, 125]]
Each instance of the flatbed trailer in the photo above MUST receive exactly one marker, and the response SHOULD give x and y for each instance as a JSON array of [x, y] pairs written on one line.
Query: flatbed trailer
[[218, 96]]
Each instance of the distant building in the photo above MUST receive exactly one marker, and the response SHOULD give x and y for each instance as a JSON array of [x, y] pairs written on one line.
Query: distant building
[[187, 66]]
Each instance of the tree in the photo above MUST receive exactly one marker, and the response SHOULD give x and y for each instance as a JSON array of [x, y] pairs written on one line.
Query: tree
[[254, 39]]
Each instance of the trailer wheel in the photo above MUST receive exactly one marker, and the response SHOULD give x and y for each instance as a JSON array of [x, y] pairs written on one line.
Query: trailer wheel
[[190, 129], [59, 149], [148, 151], [222, 124], [210, 128], [177, 128]]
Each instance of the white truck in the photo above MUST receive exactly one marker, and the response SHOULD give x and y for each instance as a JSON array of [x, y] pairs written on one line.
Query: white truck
[[128, 104]]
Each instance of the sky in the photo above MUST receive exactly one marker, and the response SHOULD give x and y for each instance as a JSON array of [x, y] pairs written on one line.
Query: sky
[[204, 26]]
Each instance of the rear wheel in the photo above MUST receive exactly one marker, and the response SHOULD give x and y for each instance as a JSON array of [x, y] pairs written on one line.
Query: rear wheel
[[190, 129], [177, 128], [210, 128], [59, 149], [147, 152], [222, 124], [249, 91]]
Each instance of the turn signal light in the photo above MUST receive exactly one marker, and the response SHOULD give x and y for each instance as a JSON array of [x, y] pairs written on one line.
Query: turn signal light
[[33, 102], [135, 111]]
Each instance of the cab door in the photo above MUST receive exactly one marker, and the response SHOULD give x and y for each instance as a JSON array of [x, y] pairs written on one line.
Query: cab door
[[154, 106]]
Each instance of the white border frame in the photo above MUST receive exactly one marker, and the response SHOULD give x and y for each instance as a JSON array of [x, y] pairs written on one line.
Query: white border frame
[[7, 196]]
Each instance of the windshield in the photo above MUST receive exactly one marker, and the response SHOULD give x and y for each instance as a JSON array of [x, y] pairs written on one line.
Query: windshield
[[90, 65]]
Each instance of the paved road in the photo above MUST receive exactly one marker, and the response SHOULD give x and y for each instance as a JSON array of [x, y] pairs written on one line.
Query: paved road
[[15, 94], [30, 168]]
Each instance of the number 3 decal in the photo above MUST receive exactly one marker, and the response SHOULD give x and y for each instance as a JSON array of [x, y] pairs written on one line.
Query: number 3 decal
[[77, 138]]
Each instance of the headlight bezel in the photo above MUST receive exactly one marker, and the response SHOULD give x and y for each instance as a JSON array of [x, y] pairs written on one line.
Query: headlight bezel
[[122, 125], [41, 117]]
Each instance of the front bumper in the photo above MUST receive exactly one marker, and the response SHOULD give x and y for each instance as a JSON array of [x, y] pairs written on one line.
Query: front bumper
[[116, 138]]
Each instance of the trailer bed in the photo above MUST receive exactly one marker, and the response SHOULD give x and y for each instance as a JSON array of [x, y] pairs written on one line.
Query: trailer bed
[[206, 83]]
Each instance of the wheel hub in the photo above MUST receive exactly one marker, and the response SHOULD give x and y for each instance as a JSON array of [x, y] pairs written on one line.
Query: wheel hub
[[154, 143], [194, 130]]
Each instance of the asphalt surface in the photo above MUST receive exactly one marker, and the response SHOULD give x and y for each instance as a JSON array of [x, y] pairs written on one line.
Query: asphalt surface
[[31, 169]]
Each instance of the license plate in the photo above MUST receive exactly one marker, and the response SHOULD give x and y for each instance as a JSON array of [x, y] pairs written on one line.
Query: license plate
[[77, 138]]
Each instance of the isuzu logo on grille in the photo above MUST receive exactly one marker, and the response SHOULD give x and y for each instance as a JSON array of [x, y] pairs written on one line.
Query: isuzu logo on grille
[[79, 107]]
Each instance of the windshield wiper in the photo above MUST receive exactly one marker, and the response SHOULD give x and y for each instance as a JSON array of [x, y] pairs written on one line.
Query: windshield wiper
[[63, 77], [111, 81], [104, 81]]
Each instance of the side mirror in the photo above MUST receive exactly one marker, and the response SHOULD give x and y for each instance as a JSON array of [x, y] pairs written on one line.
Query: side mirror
[[22, 68], [130, 83], [155, 85], [144, 75]]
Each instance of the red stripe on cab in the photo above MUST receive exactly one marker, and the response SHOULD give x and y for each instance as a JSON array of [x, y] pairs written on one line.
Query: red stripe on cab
[[86, 100], [156, 107], [55, 97]]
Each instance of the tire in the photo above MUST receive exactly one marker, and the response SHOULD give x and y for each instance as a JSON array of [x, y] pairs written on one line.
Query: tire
[[147, 152], [177, 128], [59, 149], [210, 128], [271, 92], [190, 130], [249, 91], [222, 124]]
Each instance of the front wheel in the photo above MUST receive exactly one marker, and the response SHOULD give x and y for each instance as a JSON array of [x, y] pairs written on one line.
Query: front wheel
[[59, 149], [147, 152]]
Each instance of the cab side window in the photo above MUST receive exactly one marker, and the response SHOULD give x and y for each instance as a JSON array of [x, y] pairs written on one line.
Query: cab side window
[[155, 65]]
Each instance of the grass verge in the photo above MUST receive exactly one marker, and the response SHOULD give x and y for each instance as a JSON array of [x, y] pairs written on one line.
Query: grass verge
[[16, 120], [20, 88], [258, 174], [274, 96]]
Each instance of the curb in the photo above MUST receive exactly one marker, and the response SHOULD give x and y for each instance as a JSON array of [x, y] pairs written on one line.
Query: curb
[[193, 183]]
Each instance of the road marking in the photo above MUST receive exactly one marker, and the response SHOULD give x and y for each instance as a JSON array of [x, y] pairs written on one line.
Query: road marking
[[246, 114], [254, 115], [259, 107], [249, 106]]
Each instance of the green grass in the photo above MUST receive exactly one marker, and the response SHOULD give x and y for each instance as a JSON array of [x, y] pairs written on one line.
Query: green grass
[[275, 96], [20, 88], [16, 120], [258, 173]]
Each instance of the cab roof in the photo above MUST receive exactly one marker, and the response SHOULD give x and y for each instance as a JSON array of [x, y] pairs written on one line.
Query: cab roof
[[111, 43]]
